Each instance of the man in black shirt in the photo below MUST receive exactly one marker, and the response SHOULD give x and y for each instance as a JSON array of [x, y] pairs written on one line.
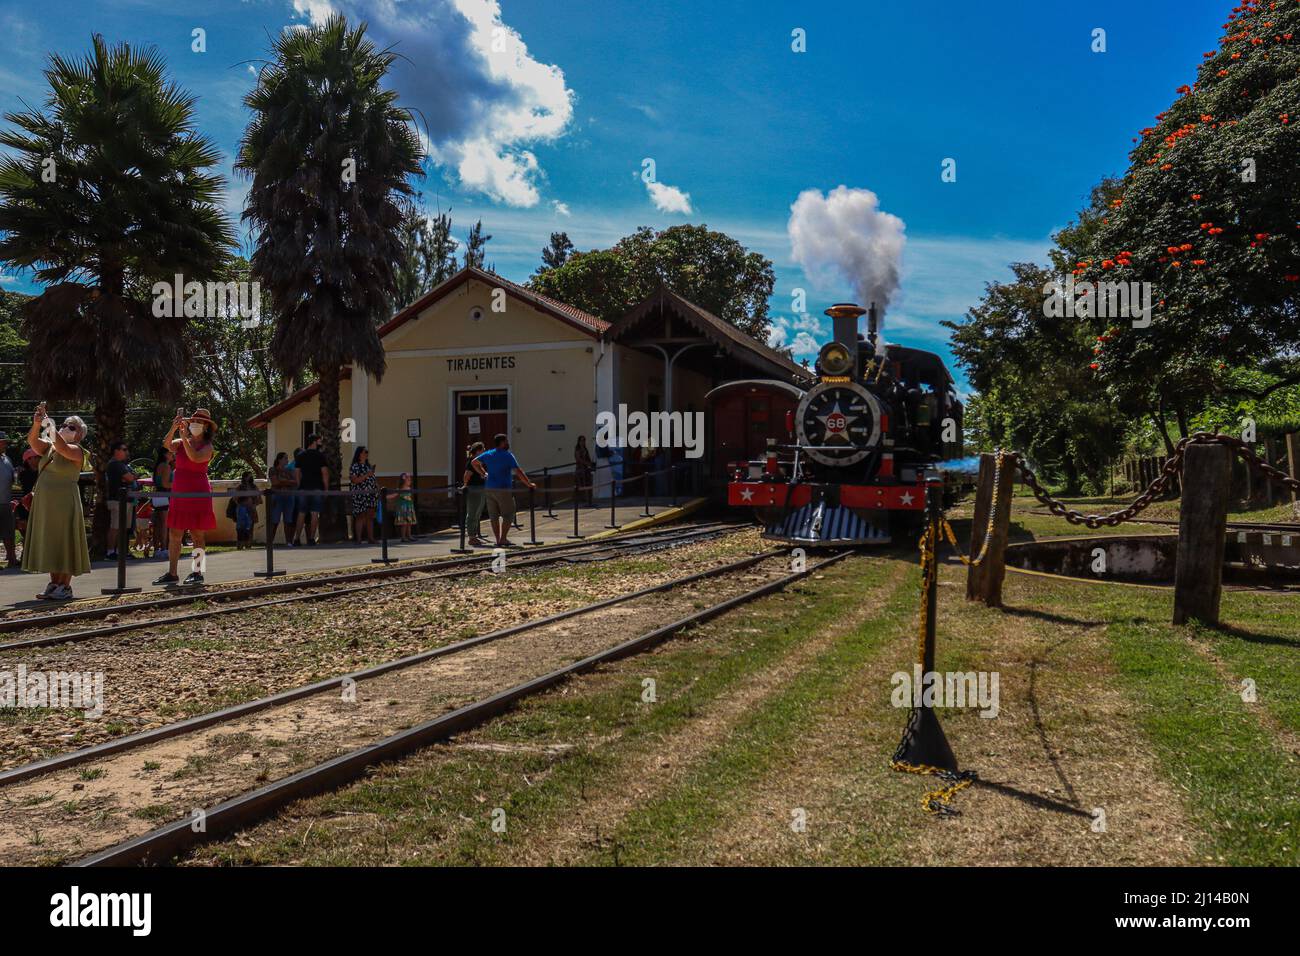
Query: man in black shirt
[[315, 478], [118, 478]]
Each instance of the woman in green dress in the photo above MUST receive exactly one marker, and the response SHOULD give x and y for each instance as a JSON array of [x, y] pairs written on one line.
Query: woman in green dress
[[56, 529]]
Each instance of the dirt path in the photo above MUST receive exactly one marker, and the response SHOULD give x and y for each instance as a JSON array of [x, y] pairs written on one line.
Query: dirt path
[[569, 837], [1061, 745]]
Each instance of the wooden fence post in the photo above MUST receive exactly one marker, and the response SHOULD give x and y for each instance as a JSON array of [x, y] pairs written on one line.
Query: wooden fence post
[[1202, 525], [984, 581]]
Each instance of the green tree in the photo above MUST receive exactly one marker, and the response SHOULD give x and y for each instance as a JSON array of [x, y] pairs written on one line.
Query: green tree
[[1208, 213], [328, 151], [709, 268], [13, 358], [1037, 394], [475, 245], [557, 252], [105, 192], [238, 376], [428, 253]]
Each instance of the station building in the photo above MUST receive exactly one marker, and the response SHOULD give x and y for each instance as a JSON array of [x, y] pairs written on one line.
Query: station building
[[480, 355]]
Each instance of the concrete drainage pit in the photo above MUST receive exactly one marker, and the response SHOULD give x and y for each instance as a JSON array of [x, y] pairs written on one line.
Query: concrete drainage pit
[[1251, 558]]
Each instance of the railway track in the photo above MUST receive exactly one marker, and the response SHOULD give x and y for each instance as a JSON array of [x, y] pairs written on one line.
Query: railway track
[[139, 614], [96, 800]]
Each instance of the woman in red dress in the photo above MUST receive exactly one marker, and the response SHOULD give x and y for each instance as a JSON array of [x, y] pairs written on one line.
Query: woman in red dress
[[191, 440]]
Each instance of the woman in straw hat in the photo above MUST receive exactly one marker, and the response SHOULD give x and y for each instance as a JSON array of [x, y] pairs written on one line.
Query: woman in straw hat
[[191, 440], [55, 540]]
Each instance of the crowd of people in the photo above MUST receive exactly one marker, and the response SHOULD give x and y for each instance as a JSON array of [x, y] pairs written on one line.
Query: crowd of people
[[41, 499]]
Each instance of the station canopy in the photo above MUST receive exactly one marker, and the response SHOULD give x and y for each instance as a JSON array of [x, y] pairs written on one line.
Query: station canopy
[[676, 330]]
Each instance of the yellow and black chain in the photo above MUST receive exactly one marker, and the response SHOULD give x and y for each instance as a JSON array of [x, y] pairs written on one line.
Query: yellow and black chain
[[933, 801], [1173, 465]]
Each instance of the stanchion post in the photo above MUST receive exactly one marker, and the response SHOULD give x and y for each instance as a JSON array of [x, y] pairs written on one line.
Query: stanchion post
[[613, 504], [575, 506], [270, 571], [672, 481], [1202, 530], [532, 516], [123, 541], [924, 743], [383, 529], [645, 488], [462, 518], [546, 491]]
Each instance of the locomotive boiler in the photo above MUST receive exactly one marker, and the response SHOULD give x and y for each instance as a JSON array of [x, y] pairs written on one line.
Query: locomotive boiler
[[850, 464]]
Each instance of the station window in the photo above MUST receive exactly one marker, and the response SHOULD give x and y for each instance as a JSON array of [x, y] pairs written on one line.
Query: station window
[[470, 403]]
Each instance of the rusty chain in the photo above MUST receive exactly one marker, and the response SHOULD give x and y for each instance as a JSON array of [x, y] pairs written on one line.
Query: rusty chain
[[1173, 465]]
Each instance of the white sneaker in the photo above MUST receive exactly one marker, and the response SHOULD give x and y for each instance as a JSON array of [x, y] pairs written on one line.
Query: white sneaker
[[61, 593]]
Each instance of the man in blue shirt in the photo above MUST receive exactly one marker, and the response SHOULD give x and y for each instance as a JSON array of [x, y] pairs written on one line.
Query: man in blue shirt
[[498, 467]]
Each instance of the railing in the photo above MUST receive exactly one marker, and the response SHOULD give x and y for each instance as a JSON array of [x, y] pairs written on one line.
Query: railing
[[458, 493]]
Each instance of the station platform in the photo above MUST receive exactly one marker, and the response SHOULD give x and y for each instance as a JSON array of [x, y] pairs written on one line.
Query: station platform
[[18, 589]]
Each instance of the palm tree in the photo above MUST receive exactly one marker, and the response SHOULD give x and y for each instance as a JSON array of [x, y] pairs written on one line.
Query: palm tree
[[105, 192], [329, 152]]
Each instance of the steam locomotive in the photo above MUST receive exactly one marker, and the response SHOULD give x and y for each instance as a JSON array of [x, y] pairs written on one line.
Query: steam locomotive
[[851, 463]]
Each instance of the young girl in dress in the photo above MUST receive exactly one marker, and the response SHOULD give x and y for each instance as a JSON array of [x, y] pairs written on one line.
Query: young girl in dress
[[404, 511]]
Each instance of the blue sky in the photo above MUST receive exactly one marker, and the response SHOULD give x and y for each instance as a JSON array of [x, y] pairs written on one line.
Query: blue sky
[[541, 113]]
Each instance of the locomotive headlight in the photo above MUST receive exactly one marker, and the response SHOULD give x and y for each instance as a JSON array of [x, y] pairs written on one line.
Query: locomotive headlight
[[834, 359]]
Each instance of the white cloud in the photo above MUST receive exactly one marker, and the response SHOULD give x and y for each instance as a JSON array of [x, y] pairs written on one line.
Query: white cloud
[[804, 344], [799, 333], [476, 91], [562, 208], [669, 198]]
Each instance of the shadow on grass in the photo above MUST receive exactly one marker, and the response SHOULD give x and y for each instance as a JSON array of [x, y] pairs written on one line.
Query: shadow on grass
[[1254, 637], [1034, 799], [1050, 617]]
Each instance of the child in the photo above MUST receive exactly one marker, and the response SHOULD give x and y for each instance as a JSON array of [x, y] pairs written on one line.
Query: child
[[144, 529], [404, 513], [246, 513]]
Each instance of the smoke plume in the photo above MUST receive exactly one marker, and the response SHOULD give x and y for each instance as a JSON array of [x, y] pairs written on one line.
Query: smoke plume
[[845, 237]]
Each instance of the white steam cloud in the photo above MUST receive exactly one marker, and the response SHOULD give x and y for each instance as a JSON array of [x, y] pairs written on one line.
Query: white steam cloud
[[471, 79], [845, 237]]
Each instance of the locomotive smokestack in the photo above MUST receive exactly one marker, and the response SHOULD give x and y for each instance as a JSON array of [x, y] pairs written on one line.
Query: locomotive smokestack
[[844, 329], [873, 330]]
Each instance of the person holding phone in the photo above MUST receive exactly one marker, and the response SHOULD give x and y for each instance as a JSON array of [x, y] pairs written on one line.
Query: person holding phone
[[55, 540], [191, 441]]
